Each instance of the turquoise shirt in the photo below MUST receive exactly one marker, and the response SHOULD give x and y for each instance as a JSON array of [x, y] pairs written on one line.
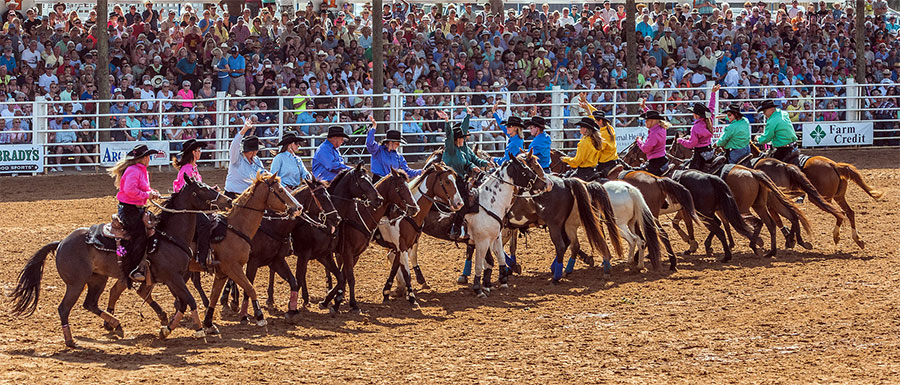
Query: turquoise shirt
[[779, 130], [736, 135]]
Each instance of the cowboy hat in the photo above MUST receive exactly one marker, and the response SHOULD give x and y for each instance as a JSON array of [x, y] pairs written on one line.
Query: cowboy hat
[[140, 151], [287, 138], [538, 121], [458, 132], [700, 109], [513, 121], [250, 143], [157, 81], [652, 114], [587, 123], [190, 144], [735, 109], [765, 105], [393, 136], [600, 115], [335, 131]]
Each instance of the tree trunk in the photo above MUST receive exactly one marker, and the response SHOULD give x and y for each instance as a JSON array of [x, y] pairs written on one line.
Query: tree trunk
[[631, 61], [497, 7], [860, 41], [102, 76], [378, 63]]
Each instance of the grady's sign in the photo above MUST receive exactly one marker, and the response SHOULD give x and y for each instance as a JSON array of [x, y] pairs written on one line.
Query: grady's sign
[[837, 134], [21, 159]]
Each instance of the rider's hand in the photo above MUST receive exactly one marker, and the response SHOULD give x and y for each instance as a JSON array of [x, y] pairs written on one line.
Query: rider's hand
[[476, 169], [154, 194]]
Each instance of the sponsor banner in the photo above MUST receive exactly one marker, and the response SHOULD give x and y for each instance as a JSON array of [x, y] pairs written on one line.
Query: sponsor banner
[[112, 152], [24, 158], [837, 134], [625, 136]]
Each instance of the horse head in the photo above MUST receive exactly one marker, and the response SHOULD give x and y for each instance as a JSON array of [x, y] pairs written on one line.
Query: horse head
[[318, 202], [440, 182], [395, 190], [278, 198], [527, 173], [203, 197], [633, 155], [361, 186]]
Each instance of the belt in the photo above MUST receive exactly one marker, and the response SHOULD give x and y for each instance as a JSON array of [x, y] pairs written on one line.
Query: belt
[[236, 76]]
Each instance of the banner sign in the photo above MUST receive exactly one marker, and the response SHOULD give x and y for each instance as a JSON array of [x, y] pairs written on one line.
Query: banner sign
[[112, 152], [25, 158], [626, 135], [837, 134]]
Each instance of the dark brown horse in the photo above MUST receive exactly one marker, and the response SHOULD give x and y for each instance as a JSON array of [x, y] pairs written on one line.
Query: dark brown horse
[[360, 221], [80, 264], [830, 179], [233, 252]]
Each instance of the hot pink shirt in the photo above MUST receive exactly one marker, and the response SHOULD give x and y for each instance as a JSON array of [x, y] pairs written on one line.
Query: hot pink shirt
[[655, 146], [134, 187], [189, 170], [701, 136], [186, 95]]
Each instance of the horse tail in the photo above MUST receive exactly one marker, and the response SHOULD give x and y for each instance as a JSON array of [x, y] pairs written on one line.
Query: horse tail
[[848, 171], [729, 207], [600, 199], [648, 225], [586, 214], [25, 295], [769, 184], [681, 195], [798, 178]]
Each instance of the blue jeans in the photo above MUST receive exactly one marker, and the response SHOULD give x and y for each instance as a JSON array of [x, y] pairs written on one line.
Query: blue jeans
[[735, 155]]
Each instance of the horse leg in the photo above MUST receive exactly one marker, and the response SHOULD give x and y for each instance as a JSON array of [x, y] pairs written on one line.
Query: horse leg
[[413, 255], [394, 259], [302, 265], [270, 289], [664, 237], [761, 208], [403, 260], [350, 278], [240, 279], [178, 287], [489, 264], [337, 292], [393, 256], [715, 230], [561, 244], [95, 286], [73, 291], [195, 279], [497, 247], [115, 292], [218, 285], [252, 269], [144, 291], [467, 268], [841, 200], [573, 245], [481, 249], [688, 236], [512, 259], [728, 233]]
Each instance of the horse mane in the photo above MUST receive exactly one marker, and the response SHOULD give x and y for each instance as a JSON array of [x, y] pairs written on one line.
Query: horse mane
[[242, 199], [339, 177], [402, 174], [430, 169], [168, 203]]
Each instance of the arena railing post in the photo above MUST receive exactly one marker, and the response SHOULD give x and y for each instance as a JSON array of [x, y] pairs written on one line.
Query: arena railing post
[[853, 104], [395, 111], [556, 116], [39, 126], [221, 158]]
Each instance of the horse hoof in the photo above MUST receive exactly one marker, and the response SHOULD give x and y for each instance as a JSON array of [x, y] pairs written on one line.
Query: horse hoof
[[245, 320], [199, 334], [271, 305], [481, 295], [425, 286], [725, 259], [386, 299], [355, 310], [323, 305], [212, 330], [463, 279], [504, 286], [71, 344], [292, 317], [119, 332], [807, 245], [164, 332], [107, 326], [262, 322], [861, 244]]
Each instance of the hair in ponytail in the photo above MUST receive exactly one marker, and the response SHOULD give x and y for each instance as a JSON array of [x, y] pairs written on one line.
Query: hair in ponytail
[[596, 138], [119, 168]]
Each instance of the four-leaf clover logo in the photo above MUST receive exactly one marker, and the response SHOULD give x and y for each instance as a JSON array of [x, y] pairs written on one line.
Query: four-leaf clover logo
[[818, 134]]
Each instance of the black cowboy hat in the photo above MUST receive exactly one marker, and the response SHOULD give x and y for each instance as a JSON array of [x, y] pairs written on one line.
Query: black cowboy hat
[[514, 121], [334, 131], [766, 104], [600, 115], [538, 121], [457, 131], [190, 144], [140, 151], [288, 137], [652, 114], [393, 136], [735, 109], [250, 143], [587, 123], [700, 109]]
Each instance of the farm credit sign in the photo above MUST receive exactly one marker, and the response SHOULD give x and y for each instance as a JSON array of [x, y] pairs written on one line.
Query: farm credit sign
[[112, 152], [837, 134], [24, 158]]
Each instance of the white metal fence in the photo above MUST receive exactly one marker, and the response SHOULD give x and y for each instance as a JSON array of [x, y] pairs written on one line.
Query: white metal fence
[[48, 125]]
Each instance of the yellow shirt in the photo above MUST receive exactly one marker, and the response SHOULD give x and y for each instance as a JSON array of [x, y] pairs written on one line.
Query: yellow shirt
[[585, 156], [608, 150]]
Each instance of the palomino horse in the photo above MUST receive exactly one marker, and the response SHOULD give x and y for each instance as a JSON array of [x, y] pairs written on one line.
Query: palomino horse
[[80, 264], [830, 179], [359, 224], [271, 243], [437, 184], [233, 252], [635, 221]]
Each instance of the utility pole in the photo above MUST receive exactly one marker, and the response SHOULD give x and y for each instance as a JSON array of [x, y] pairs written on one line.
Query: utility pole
[[860, 41], [102, 75], [378, 63], [631, 64]]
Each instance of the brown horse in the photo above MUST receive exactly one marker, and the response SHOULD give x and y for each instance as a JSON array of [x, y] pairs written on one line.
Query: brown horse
[[359, 223], [437, 184], [830, 180], [80, 264], [233, 252]]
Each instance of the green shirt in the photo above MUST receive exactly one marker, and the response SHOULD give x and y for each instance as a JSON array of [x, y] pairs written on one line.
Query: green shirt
[[736, 135], [779, 130], [460, 159]]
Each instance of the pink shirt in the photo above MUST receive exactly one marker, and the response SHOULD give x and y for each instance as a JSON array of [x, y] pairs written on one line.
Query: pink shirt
[[701, 136], [134, 187], [655, 146], [189, 170], [186, 95]]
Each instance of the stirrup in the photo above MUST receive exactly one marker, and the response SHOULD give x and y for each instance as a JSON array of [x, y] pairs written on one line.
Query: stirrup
[[137, 276]]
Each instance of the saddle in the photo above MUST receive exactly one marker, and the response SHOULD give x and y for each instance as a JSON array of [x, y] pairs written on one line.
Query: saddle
[[219, 229], [115, 230]]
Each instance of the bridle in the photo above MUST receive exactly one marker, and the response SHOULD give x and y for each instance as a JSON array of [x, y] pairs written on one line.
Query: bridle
[[532, 179], [323, 215], [431, 189], [269, 184], [195, 195]]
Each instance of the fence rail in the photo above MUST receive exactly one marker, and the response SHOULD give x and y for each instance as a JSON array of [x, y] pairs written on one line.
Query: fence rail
[[67, 133]]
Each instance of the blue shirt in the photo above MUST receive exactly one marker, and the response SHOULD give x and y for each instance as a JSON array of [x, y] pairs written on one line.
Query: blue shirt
[[290, 168], [241, 172], [541, 147], [221, 73], [514, 144], [327, 162], [236, 64], [383, 160], [9, 62], [186, 66]]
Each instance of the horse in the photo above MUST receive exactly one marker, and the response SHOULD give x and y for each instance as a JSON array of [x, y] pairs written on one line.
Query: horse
[[635, 222], [311, 242], [399, 236], [271, 244], [830, 180], [233, 252], [80, 264]]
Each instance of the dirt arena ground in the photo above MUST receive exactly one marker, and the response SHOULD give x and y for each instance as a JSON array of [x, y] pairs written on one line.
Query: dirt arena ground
[[827, 315]]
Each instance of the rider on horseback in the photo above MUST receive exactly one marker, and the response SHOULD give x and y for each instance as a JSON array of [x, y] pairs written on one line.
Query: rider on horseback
[[540, 142], [735, 139], [186, 164], [287, 165], [588, 151], [243, 163], [655, 146], [513, 127], [385, 156], [701, 133], [779, 130], [133, 182], [608, 154], [328, 162], [458, 156]]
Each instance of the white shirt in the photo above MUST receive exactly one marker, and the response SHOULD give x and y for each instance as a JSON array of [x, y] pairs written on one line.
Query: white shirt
[[45, 81], [732, 79], [31, 57], [148, 96]]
